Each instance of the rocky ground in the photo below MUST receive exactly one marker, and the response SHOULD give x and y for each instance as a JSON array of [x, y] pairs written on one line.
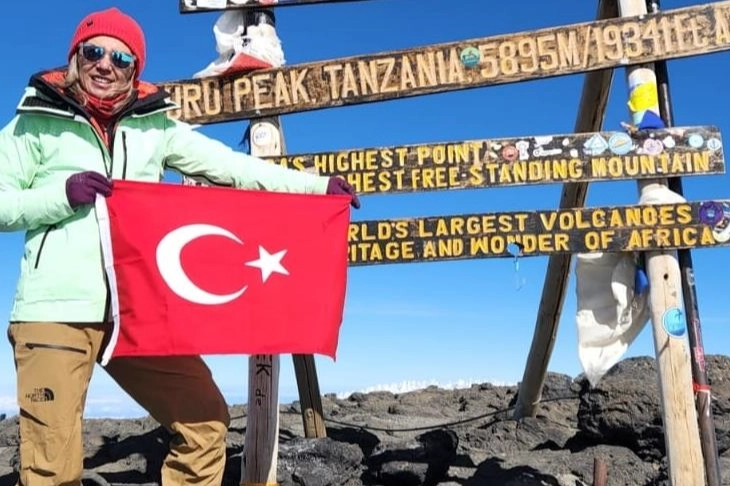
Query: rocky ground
[[437, 437]]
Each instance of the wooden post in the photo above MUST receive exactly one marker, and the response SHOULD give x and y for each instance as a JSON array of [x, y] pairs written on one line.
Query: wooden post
[[261, 443], [310, 398], [689, 292], [681, 433], [600, 472], [591, 113]]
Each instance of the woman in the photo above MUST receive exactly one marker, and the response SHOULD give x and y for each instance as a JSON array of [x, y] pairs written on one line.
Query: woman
[[75, 130]]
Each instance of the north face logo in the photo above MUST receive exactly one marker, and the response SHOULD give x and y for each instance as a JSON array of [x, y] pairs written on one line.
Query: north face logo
[[40, 394]]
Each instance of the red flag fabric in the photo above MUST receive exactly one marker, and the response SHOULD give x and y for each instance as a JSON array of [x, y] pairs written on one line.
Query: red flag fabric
[[205, 270]]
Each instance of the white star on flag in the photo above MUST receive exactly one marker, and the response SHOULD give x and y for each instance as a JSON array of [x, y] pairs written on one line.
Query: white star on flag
[[269, 263]]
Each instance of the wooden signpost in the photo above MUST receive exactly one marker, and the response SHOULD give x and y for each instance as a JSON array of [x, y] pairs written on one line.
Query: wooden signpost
[[472, 63], [261, 442], [197, 6], [622, 36], [679, 417], [700, 380], [517, 161], [591, 112], [540, 232]]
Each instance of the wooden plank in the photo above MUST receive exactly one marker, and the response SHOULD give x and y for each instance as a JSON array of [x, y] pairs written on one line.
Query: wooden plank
[[472, 63], [591, 112], [518, 161], [679, 416], [199, 6], [261, 443], [541, 232]]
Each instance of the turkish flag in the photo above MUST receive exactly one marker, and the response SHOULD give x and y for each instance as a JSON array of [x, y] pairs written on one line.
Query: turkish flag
[[206, 270]]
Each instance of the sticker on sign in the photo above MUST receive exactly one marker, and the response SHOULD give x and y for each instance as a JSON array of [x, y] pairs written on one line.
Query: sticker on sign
[[208, 3]]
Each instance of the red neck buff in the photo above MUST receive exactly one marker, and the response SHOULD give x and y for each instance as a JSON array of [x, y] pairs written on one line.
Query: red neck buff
[[103, 109]]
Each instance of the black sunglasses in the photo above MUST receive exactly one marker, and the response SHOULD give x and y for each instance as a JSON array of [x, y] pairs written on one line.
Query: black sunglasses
[[94, 53]]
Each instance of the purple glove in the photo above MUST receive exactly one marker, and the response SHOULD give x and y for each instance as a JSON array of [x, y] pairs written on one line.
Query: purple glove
[[82, 187], [340, 186]]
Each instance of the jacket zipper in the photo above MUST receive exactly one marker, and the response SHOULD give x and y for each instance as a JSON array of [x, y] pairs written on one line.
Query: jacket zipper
[[43, 242], [32, 346], [103, 150], [124, 153]]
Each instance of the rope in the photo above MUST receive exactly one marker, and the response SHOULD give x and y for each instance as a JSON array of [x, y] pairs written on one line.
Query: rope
[[430, 427]]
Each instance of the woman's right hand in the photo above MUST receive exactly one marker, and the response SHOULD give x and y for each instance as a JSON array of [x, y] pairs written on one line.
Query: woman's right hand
[[82, 188]]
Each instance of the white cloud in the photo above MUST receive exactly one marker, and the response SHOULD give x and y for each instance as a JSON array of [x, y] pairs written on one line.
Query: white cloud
[[123, 407], [414, 385], [96, 407], [8, 405]]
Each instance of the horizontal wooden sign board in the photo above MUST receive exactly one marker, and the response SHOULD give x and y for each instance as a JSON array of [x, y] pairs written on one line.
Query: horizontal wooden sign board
[[455, 66], [486, 163], [535, 233], [196, 6]]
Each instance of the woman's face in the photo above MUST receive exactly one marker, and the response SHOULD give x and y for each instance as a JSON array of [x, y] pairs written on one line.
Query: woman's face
[[106, 65]]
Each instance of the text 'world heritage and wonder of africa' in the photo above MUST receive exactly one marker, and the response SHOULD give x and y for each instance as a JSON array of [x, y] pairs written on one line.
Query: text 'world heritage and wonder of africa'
[[609, 229]]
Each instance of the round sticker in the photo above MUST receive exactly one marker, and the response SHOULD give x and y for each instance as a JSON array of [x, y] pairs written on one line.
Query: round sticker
[[261, 134], [710, 212], [696, 141], [714, 144], [620, 143], [673, 322], [653, 146], [510, 153], [470, 57], [721, 230]]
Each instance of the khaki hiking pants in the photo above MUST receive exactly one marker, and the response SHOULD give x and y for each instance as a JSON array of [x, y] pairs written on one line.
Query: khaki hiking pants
[[54, 363]]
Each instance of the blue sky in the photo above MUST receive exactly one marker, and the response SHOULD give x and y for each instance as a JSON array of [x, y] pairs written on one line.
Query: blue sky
[[440, 322]]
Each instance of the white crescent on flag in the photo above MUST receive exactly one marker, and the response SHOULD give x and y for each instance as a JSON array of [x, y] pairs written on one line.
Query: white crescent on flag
[[168, 263]]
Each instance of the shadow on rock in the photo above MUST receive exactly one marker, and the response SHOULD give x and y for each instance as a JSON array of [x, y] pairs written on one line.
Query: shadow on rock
[[9, 479], [424, 460], [493, 472], [365, 440], [135, 459]]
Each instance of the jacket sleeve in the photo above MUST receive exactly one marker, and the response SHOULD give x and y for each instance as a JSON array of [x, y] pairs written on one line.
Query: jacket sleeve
[[23, 206], [195, 155]]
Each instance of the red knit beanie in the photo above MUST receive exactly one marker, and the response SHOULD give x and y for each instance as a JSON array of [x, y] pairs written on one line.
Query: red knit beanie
[[113, 23]]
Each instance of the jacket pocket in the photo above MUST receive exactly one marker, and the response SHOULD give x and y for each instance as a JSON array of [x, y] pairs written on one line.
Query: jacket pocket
[[50, 346], [42, 244]]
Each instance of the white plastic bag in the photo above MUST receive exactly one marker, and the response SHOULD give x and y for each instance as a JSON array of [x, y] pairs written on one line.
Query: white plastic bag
[[610, 314], [242, 47]]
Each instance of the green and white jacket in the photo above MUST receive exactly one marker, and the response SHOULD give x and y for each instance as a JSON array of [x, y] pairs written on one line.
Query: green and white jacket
[[50, 138]]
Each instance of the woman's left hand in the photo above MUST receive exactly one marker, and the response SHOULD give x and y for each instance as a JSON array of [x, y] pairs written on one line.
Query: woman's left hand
[[340, 186]]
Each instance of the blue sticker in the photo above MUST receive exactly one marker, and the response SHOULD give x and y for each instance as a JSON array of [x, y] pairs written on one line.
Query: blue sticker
[[721, 231], [711, 212], [673, 322], [470, 57], [595, 146], [620, 143], [696, 141]]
